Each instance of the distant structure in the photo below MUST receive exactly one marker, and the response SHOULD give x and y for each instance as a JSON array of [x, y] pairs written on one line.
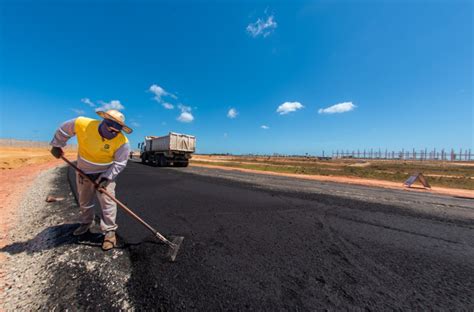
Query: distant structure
[[422, 155]]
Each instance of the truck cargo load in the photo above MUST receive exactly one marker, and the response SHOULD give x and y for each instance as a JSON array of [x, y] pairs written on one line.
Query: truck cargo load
[[173, 149]]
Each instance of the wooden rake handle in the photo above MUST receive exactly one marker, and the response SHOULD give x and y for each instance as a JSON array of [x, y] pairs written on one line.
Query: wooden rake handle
[[118, 202]]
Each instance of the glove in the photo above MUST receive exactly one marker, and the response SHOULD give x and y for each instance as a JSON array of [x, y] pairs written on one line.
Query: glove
[[103, 183], [57, 152]]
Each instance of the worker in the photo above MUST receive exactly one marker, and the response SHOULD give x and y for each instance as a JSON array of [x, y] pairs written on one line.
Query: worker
[[103, 152]]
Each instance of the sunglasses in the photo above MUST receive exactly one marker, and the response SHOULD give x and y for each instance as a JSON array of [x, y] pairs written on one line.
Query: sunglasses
[[112, 125]]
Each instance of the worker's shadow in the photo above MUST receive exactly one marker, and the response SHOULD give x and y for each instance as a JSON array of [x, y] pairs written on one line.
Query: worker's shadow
[[53, 237]]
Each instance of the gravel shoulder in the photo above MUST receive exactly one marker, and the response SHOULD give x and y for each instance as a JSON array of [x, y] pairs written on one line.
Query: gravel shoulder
[[46, 268]]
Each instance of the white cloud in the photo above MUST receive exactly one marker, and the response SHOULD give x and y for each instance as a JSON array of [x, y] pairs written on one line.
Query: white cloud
[[185, 115], [289, 107], [261, 27], [232, 113], [337, 108], [264, 127], [184, 108], [135, 124], [78, 111], [114, 104], [159, 92], [167, 105], [88, 102]]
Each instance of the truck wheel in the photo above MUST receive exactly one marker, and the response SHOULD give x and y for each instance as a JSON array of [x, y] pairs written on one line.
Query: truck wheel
[[143, 160], [155, 161], [162, 161], [150, 160]]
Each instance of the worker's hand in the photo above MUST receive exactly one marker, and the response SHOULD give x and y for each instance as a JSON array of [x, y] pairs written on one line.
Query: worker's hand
[[57, 151], [103, 183]]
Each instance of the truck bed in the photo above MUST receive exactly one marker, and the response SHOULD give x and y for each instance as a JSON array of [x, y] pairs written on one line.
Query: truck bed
[[172, 142]]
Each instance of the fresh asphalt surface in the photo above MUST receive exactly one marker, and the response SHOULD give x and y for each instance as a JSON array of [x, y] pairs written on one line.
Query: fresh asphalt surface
[[257, 242]]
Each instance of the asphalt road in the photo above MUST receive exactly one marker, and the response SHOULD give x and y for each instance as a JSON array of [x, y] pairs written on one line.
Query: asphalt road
[[256, 242]]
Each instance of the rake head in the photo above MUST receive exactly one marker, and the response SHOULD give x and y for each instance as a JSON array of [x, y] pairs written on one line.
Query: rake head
[[175, 244]]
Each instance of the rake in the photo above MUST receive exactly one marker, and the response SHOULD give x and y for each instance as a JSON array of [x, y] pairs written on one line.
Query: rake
[[174, 242]]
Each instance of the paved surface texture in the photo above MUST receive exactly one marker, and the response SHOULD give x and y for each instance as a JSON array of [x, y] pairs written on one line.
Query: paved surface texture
[[254, 242]]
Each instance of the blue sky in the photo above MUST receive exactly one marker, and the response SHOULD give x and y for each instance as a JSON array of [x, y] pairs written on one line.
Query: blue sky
[[402, 71]]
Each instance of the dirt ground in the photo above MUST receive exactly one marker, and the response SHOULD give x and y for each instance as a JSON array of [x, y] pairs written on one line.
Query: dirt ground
[[216, 161], [332, 162], [18, 157], [19, 167]]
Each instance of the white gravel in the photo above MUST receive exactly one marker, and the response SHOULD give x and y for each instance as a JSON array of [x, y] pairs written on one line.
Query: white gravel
[[45, 264], [28, 252]]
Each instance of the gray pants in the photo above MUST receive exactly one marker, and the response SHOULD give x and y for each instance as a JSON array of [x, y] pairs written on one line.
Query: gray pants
[[86, 191]]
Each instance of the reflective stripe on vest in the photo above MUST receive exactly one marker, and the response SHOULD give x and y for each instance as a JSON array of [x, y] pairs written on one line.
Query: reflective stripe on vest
[[93, 148]]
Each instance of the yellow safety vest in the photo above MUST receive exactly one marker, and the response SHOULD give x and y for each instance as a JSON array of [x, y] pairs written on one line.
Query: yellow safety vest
[[92, 147]]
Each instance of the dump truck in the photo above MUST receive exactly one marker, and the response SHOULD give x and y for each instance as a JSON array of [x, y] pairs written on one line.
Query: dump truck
[[174, 149]]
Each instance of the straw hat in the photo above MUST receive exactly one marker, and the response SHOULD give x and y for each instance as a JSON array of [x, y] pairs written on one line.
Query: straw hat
[[116, 116]]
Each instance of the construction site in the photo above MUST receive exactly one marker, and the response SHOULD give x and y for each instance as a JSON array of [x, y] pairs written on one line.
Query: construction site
[[252, 241], [274, 155]]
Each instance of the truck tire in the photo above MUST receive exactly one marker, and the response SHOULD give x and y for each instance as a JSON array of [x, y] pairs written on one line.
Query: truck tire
[[162, 161], [156, 159]]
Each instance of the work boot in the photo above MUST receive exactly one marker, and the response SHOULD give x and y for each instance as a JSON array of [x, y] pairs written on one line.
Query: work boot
[[110, 241], [82, 229]]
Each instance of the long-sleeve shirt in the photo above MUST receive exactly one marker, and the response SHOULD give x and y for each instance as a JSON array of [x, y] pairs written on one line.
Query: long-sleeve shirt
[[109, 171]]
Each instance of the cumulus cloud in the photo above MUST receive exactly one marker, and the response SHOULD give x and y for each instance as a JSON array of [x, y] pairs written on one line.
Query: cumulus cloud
[[186, 115], [159, 93], [78, 111], [262, 27], [337, 108], [114, 104], [264, 127], [289, 107], [232, 113], [88, 102]]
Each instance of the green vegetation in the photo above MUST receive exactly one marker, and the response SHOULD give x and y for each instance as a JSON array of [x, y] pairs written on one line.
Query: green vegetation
[[438, 174]]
